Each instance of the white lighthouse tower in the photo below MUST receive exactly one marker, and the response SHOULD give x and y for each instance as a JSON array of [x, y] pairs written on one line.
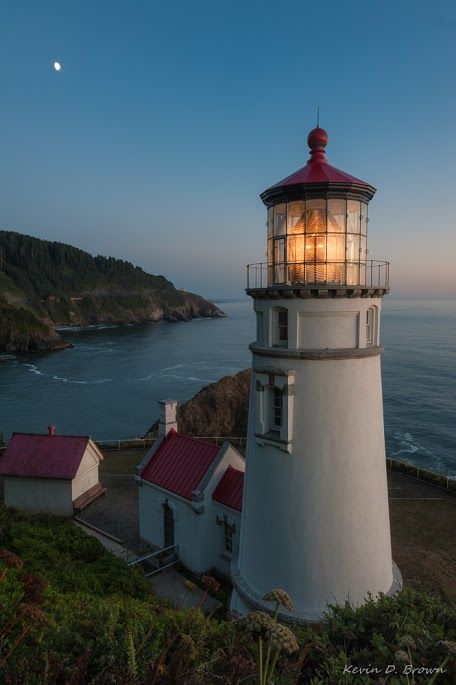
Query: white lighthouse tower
[[315, 518]]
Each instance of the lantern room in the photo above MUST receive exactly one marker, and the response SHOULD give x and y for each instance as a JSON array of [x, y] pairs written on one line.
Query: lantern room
[[317, 225]]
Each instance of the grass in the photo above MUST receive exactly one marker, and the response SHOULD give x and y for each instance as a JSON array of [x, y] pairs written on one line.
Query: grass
[[121, 461], [424, 544]]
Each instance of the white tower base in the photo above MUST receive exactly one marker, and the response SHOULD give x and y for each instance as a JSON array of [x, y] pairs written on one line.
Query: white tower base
[[245, 600], [315, 519]]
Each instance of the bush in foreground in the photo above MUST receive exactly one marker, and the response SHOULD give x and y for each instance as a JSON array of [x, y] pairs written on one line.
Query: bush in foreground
[[73, 614]]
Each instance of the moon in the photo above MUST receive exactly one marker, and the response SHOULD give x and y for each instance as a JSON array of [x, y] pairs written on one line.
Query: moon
[[57, 66]]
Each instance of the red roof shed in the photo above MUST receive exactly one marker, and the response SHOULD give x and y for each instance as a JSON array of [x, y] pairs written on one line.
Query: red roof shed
[[32, 455]]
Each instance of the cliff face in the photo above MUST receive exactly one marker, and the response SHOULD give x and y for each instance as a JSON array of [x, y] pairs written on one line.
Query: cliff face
[[219, 409], [21, 330], [46, 284]]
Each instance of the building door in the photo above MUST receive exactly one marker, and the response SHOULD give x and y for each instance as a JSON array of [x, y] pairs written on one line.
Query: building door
[[168, 525]]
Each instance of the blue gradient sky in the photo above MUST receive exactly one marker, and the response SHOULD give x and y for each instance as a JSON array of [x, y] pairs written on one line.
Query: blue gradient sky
[[169, 118]]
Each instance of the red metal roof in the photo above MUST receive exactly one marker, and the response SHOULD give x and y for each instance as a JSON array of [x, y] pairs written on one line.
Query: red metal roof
[[230, 488], [317, 169], [33, 455], [180, 463]]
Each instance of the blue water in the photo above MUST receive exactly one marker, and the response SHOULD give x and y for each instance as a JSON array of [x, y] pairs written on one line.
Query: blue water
[[109, 383]]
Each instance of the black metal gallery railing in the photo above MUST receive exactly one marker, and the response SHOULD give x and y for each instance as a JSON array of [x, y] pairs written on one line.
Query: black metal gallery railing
[[371, 274]]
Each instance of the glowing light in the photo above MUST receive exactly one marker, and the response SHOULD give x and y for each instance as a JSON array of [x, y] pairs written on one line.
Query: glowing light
[[57, 66], [315, 257]]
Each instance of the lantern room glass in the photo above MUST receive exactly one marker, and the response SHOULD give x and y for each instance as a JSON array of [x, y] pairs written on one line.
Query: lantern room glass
[[318, 241]]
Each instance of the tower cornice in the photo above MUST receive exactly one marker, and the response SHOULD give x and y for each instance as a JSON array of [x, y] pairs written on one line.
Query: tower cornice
[[318, 354], [315, 291]]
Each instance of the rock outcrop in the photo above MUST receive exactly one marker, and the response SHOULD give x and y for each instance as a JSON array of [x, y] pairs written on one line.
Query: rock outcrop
[[219, 409]]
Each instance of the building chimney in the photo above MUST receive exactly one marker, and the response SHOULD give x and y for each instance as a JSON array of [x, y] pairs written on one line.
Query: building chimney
[[167, 419], [51, 429]]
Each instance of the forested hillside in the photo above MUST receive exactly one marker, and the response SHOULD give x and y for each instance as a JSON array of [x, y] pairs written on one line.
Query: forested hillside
[[45, 284]]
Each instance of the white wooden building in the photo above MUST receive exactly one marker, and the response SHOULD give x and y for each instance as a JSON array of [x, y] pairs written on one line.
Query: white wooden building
[[190, 497], [50, 473]]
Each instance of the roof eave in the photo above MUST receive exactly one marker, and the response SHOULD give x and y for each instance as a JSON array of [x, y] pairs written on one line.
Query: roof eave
[[301, 191]]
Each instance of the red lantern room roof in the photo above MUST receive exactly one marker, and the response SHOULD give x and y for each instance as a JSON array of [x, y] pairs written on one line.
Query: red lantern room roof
[[316, 174]]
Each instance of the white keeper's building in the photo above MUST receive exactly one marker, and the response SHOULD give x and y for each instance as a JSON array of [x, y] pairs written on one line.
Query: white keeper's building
[[190, 497]]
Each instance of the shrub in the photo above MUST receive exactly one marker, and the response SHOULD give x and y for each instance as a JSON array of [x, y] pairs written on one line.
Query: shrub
[[73, 614]]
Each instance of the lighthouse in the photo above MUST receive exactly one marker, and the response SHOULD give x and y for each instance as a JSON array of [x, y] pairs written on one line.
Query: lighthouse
[[315, 519]]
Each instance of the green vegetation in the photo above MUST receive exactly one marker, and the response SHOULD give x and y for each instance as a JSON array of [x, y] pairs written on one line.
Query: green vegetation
[[72, 614], [50, 283], [121, 461], [43, 269], [22, 319]]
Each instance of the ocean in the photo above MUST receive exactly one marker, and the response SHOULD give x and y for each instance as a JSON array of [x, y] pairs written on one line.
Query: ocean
[[108, 385]]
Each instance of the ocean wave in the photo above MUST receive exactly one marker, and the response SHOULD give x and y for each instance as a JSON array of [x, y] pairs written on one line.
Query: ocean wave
[[8, 358], [199, 380], [69, 380], [410, 451], [34, 369], [408, 445], [89, 327], [175, 366]]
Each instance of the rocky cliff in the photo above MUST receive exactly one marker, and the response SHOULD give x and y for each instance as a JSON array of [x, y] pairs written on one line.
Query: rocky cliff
[[219, 409], [45, 284]]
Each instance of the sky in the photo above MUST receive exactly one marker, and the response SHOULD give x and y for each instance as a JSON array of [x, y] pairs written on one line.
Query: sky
[[168, 119]]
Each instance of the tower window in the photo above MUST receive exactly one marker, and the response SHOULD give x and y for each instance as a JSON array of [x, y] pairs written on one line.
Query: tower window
[[370, 326], [281, 327], [260, 328], [273, 409], [276, 409]]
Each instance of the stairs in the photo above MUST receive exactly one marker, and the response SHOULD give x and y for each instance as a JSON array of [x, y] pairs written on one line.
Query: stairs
[[87, 497]]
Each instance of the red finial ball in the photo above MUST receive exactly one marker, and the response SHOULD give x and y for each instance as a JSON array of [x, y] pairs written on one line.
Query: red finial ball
[[317, 138]]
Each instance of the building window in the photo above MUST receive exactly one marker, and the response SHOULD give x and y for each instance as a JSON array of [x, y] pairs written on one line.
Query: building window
[[168, 526], [228, 534], [370, 326], [280, 219], [276, 410], [281, 327], [273, 409], [260, 328], [279, 260]]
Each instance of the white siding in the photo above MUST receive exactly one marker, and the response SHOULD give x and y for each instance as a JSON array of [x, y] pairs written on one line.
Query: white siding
[[36, 495], [209, 533], [315, 521], [319, 324], [198, 535], [87, 474], [151, 522]]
